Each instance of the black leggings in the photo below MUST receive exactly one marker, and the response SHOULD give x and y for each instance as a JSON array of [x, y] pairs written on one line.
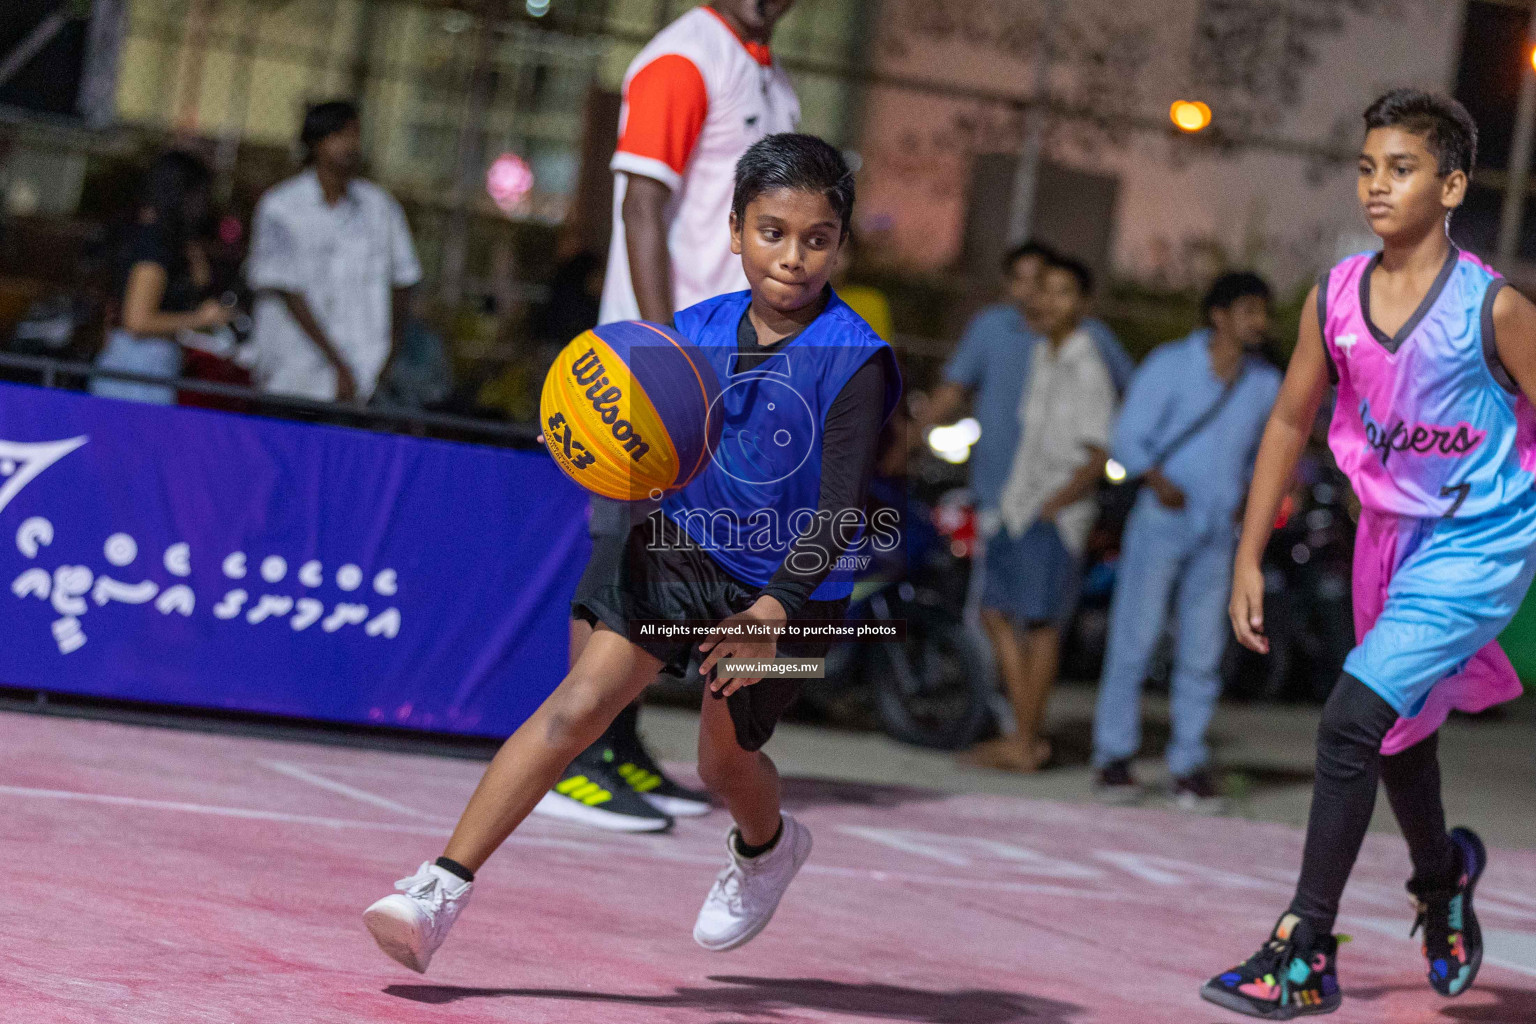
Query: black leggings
[[1349, 761]]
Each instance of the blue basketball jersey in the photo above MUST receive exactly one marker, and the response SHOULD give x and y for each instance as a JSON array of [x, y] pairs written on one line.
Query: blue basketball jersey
[[760, 491]]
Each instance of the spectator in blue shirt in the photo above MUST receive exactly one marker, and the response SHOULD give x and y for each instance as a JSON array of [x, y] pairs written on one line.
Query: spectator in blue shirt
[[991, 367], [1194, 457]]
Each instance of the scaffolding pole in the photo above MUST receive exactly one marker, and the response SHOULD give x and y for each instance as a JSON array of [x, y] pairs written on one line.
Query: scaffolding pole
[[33, 42], [1026, 178], [1516, 185], [470, 153]]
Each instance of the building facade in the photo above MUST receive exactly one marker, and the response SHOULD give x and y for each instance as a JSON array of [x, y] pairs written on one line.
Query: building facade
[[1270, 183]]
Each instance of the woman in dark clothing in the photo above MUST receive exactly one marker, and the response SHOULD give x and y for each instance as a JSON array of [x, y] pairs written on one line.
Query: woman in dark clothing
[[162, 281]]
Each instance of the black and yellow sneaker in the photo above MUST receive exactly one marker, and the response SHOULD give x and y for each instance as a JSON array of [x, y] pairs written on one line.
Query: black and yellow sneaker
[[1295, 973], [1453, 940], [629, 759], [590, 793]]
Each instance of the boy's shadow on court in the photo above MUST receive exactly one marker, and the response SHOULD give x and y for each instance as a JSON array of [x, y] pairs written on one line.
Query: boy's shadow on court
[[769, 997], [1513, 1004]]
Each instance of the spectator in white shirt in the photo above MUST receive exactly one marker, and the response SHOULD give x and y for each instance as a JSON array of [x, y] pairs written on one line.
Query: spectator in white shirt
[[1035, 537], [333, 266]]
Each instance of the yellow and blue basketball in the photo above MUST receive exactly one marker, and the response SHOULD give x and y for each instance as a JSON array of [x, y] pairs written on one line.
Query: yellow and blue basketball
[[625, 410]]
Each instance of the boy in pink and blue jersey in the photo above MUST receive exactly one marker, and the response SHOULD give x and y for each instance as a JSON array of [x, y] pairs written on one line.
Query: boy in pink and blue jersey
[[1429, 431], [1433, 359]]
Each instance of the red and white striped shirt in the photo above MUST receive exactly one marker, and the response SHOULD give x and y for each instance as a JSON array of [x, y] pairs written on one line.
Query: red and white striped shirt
[[695, 99]]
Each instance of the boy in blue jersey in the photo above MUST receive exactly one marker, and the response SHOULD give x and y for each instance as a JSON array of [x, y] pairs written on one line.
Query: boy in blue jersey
[[757, 540], [1433, 362]]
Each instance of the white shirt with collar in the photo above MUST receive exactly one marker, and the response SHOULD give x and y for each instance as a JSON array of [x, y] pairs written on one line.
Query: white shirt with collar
[[345, 260], [1068, 407]]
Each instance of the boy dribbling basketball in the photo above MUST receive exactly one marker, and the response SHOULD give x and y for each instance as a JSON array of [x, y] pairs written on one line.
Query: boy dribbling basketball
[[806, 387]]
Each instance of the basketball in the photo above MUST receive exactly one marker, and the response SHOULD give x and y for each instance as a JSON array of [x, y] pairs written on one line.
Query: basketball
[[625, 410]]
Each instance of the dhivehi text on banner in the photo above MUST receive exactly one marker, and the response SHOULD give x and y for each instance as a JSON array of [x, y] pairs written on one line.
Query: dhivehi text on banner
[[193, 557]]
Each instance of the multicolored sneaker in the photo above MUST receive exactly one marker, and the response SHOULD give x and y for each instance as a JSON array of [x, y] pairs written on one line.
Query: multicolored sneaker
[[1295, 973], [1453, 942]]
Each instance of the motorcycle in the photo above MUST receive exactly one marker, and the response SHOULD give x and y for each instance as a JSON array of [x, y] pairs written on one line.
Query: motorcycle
[[1308, 613], [1309, 616], [930, 687]]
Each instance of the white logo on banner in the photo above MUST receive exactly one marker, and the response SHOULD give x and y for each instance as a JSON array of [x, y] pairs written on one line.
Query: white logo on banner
[[21, 463], [73, 589]]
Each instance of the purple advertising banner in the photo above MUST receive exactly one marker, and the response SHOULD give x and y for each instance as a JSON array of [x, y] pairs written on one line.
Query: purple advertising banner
[[191, 557]]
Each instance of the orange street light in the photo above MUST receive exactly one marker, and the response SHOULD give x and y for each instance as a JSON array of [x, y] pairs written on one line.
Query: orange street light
[[1190, 116], [1533, 57]]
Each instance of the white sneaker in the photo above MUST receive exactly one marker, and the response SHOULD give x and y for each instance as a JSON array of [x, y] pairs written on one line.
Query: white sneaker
[[409, 925], [747, 892]]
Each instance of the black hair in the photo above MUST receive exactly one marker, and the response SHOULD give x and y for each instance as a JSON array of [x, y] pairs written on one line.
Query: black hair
[[1077, 268], [169, 209], [324, 120], [1230, 287], [801, 162], [174, 178], [1448, 130], [1026, 249]]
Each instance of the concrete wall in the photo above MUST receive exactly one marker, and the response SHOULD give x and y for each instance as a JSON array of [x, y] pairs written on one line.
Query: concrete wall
[[1292, 75]]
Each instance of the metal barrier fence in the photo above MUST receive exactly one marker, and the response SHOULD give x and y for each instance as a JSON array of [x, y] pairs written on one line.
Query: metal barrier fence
[[54, 373]]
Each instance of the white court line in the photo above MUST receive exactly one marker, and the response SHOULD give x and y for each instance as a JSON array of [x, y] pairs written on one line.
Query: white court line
[[1506, 895], [639, 846], [589, 847], [1387, 927], [1368, 892], [1022, 888], [224, 812], [293, 771], [471, 775], [655, 850], [1394, 928], [1497, 902]]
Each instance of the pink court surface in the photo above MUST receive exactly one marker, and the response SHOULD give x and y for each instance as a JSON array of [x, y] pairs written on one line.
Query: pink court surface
[[167, 876]]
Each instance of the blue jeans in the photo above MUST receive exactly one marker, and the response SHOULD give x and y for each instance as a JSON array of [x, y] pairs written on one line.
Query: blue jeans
[[153, 357], [1166, 560]]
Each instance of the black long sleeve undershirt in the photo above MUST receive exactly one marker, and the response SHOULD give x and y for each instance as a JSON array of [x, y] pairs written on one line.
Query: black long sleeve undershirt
[[850, 443]]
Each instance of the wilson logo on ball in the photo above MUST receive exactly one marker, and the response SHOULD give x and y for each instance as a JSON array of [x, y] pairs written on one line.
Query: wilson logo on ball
[[605, 398], [626, 410]]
